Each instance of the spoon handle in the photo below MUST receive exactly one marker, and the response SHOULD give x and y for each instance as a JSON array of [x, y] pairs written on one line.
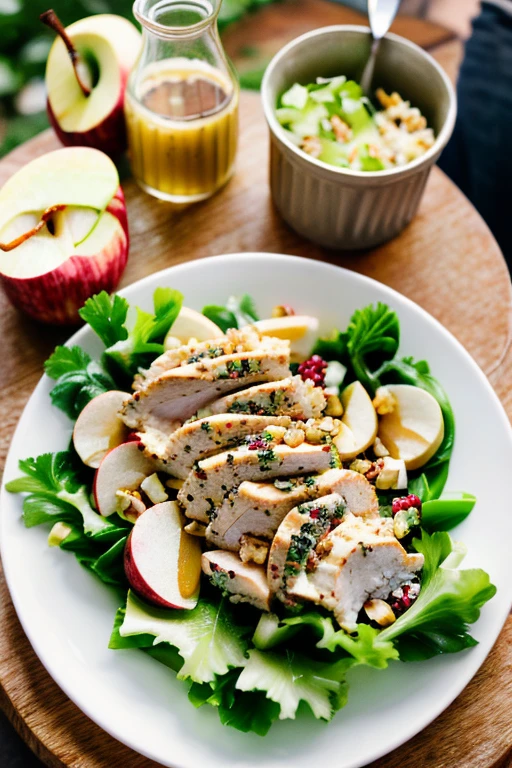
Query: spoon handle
[[381, 14]]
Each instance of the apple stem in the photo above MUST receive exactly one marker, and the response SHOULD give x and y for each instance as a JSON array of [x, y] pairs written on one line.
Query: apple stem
[[45, 219], [51, 20]]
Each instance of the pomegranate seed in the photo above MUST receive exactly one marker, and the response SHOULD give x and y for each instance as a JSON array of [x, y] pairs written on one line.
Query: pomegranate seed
[[313, 369], [414, 501], [314, 514]]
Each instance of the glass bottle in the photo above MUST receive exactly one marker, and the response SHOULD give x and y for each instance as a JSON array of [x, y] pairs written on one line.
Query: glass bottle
[[181, 102]]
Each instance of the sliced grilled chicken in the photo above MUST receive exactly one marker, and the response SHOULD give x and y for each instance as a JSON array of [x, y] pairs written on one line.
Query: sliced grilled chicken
[[235, 341], [180, 392], [215, 478], [289, 397], [177, 453], [259, 508], [245, 582], [359, 559], [293, 549]]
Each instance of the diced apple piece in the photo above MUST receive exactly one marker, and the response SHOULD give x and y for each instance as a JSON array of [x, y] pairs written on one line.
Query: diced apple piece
[[414, 430], [393, 475], [358, 424], [162, 562], [153, 488], [123, 468], [98, 429], [191, 324], [300, 330]]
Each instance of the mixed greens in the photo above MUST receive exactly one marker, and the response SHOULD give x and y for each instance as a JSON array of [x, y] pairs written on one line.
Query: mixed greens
[[333, 121], [255, 667]]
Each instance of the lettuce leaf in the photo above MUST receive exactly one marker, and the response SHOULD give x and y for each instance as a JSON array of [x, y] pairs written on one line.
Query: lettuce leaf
[[245, 711], [366, 647], [57, 493], [450, 600], [287, 679], [207, 637]]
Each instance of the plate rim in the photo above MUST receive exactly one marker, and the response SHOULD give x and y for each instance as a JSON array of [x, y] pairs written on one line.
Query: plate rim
[[442, 702]]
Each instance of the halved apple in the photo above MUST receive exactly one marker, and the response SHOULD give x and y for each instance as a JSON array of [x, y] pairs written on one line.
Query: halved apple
[[358, 428], [300, 330], [414, 430], [191, 324], [123, 468], [63, 233], [163, 563], [91, 113], [98, 429]]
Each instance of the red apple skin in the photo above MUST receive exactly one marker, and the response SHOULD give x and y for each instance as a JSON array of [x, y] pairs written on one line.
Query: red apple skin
[[55, 297], [138, 583], [109, 136]]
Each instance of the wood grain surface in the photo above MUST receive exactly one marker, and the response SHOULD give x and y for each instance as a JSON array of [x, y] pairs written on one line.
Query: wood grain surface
[[446, 260]]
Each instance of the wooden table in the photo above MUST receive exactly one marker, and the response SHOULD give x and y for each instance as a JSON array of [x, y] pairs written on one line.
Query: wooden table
[[446, 260]]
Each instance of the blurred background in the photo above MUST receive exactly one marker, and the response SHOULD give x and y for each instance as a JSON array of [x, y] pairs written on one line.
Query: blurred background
[[25, 42]]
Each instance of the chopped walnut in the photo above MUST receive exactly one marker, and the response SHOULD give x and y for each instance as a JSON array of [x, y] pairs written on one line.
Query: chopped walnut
[[312, 145], [384, 401], [388, 101], [324, 546], [375, 469], [342, 130], [252, 549], [294, 437], [361, 465], [314, 435], [326, 424], [277, 433], [415, 121]]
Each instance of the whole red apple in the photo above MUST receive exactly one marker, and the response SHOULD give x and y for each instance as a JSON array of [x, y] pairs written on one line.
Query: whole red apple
[[63, 233], [86, 73]]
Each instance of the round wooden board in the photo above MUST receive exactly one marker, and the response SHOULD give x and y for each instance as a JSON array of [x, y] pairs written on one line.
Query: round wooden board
[[446, 260]]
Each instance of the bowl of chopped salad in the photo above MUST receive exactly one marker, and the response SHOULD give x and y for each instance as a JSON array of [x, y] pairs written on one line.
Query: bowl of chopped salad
[[347, 170]]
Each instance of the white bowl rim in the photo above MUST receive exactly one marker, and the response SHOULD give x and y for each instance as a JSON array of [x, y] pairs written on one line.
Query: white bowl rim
[[279, 133], [443, 700]]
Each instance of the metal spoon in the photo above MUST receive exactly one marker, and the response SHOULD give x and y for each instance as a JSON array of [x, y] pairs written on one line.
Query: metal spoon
[[381, 14]]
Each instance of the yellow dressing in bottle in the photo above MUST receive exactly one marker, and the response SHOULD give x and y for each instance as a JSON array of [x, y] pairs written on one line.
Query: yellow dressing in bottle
[[181, 103]]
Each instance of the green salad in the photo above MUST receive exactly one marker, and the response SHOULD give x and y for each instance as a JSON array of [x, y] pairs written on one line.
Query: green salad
[[270, 516], [332, 121]]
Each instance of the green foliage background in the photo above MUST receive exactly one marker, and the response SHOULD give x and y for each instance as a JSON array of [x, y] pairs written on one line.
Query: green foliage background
[[24, 46]]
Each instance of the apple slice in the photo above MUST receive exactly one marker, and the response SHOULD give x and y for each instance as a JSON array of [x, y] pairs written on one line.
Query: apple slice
[[98, 429], [191, 324], [300, 330], [63, 233], [85, 102], [123, 468], [358, 428], [163, 563], [414, 430]]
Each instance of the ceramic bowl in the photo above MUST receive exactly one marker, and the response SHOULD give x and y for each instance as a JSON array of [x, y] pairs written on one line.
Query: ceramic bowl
[[340, 207]]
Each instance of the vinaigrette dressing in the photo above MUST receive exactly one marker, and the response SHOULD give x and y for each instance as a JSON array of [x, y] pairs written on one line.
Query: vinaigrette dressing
[[182, 131]]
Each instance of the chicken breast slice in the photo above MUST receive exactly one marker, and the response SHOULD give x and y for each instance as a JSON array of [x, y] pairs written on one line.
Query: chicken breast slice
[[244, 582], [177, 453], [360, 559], [180, 392], [259, 508], [294, 545], [215, 477], [235, 341], [290, 397]]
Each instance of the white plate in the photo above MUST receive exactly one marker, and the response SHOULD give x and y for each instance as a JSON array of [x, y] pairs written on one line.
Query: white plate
[[67, 614]]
